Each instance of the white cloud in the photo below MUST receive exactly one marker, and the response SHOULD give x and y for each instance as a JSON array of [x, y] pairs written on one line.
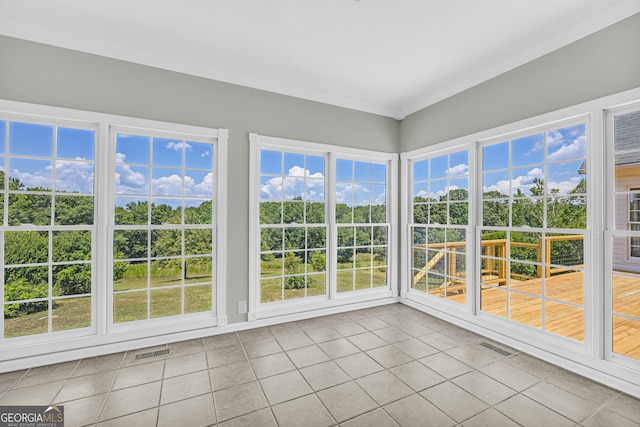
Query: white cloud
[[74, 176], [70, 176], [172, 186], [294, 185], [576, 149], [537, 147], [177, 145], [554, 138], [565, 186], [130, 181], [460, 169], [205, 153], [523, 182]]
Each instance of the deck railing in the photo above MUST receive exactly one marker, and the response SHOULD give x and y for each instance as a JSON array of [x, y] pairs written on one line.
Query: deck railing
[[494, 268]]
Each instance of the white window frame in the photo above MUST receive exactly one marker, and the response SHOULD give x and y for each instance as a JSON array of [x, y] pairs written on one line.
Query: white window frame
[[594, 358], [18, 116], [407, 217], [586, 232], [101, 338], [169, 131], [332, 300]]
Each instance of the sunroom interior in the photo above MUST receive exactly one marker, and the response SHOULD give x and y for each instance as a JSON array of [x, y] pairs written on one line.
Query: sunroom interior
[[328, 250]]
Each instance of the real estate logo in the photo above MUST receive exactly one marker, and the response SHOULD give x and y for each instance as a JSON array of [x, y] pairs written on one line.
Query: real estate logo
[[31, 416]]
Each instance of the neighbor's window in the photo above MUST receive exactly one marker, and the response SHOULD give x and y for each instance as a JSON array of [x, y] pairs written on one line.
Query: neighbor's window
[[634, 221], [532, 236], [163, 240], [47, 226]]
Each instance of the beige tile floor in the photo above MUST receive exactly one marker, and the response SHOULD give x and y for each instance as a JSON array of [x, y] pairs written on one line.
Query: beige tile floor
[[351, 369]]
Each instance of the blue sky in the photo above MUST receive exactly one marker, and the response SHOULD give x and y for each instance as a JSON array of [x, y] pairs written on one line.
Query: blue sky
[[142, 162], [564, 148], [74, 167], [286, 176], [435, 177]]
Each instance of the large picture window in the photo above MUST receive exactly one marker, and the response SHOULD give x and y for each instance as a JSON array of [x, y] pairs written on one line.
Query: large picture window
[[534, 199], [321, 226], [48, 233], [106, 231], [163, 240]]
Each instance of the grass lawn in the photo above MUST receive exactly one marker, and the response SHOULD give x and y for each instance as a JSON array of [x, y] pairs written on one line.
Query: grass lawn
[[74, 313], [271, 288], [69, 313]]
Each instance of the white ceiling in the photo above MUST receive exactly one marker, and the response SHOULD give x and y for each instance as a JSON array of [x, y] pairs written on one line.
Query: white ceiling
[[389, 57]]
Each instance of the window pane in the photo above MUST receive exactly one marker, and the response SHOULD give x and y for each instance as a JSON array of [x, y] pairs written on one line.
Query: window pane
[[567, 143], [270, 162], [197, 299], [495, 156], [129, 306], [26, 247], [71, 313], [75, 144], [198, 156], [528, 150], [71, 246], [166, 182], [198, 270], [166, 211], [132, 179], [74, 210], [30, 174], [132, 149], [28, 139], [71, 279], [167, 152], [439, 167], [198, 211]]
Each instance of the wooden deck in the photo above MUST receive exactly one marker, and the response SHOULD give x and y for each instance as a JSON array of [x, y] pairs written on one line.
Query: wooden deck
[[565, 316]]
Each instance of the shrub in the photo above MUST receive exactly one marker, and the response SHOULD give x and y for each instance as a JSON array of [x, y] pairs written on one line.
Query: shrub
[[19, 290], [318, 261], [74, 279]]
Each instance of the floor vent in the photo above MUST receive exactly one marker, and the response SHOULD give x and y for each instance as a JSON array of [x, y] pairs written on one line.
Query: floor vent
[[151, 354], [496, 349]]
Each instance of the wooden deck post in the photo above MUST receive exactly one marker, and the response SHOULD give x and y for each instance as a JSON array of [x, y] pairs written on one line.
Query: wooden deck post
[[547, 257], [540, 257]]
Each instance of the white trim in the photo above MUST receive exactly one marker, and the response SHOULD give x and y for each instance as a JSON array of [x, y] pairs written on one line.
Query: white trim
[[254, 224], [165, 336], [220, 244], [613, 375]]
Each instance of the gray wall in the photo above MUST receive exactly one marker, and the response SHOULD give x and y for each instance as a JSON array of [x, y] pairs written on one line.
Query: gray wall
[[42, 74], [601, 64]]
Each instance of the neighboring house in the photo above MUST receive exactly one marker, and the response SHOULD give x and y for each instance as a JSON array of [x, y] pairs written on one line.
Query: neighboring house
[[626, 251]]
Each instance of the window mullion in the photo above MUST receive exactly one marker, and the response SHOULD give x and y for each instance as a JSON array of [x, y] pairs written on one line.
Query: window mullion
[[330, 220]]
